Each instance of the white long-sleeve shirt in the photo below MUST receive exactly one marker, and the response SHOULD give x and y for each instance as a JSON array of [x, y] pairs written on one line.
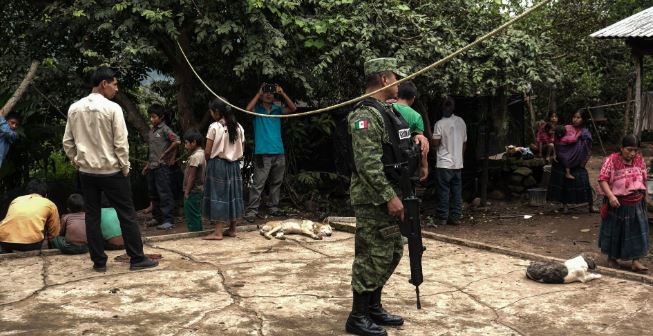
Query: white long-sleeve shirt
[[95, 139]]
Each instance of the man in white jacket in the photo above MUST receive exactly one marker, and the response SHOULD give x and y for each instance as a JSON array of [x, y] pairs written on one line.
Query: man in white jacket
[[96, 143]]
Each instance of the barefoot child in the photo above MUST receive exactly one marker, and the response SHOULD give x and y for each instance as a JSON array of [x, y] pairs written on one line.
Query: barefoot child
[[72, 237], [162, 148], [223, 187], [193, 180]]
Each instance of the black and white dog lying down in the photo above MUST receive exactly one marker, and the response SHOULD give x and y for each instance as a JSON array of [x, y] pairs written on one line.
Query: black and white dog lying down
[[572, 270]]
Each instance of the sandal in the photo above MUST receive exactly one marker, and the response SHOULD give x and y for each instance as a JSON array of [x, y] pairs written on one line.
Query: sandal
[[640, 270], [637, 267]]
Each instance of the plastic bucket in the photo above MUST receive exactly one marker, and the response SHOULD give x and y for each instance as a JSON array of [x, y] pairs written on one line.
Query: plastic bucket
[[537, 196]]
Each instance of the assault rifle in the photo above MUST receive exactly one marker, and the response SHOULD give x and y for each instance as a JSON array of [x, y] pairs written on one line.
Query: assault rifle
[[411, 227]]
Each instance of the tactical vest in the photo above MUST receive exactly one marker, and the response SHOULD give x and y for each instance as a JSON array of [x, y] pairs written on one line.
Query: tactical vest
[[395, 153]]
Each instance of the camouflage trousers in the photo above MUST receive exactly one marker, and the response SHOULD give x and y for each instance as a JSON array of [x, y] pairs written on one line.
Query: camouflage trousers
[[379, 248]]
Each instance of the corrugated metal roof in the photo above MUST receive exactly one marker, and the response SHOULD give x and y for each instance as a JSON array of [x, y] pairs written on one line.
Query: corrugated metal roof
[[638, 25]]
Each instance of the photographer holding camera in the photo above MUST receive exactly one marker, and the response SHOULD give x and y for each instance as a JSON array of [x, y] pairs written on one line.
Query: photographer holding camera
[[269, 156]]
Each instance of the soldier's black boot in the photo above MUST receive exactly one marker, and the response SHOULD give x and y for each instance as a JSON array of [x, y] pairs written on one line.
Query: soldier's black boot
[[359, 322], [379, 315]]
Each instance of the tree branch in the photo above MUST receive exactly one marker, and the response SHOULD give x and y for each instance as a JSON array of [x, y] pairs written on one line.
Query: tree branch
[[29, 77], [134, 118]]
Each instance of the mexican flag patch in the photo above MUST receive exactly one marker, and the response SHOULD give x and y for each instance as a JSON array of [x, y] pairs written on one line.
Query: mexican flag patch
[[361, 124]]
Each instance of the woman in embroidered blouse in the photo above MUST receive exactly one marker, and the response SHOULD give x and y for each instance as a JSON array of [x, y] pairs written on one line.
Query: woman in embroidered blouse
[[624, 224]]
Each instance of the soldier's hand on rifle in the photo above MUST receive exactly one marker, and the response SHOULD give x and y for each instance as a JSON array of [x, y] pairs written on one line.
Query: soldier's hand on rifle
[[396, 208]]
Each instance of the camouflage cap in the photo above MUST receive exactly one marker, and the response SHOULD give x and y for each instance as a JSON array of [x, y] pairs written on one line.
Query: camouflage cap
[[377, 65]]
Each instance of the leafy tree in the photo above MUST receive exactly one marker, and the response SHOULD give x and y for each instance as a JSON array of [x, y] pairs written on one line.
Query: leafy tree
[[314, 48]]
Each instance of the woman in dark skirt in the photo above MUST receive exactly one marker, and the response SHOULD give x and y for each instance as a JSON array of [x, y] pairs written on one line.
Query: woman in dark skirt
[[577, 190], [223, 186], [624, 224]]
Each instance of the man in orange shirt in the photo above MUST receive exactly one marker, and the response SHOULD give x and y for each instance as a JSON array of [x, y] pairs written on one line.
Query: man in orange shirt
[[29, 220]]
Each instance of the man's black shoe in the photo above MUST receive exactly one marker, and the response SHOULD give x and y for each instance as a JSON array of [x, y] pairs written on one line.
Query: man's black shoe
[[359, 322], [145, 263], [100, 268], [452, 221], [379, 315]]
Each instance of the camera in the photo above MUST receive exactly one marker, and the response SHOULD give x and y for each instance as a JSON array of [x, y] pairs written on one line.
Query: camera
[[269, 88]]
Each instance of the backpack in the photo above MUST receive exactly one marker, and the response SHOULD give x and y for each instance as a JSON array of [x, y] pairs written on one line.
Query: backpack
[[400, 139]]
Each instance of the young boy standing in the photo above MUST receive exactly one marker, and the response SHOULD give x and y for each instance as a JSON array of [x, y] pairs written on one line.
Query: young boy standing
[[194, 180], [163, 144]]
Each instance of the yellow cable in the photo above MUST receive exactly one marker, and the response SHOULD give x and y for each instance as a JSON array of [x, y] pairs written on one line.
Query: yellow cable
[[355, 100]]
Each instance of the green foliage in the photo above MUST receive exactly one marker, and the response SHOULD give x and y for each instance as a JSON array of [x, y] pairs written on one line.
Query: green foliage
[[317, 192], [314, 48]]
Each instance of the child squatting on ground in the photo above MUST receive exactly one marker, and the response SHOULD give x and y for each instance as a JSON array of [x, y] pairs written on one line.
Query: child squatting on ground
[[72, 237], [194, 180]]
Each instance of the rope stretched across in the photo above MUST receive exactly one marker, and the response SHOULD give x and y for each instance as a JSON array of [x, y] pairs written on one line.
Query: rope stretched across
[[407, 78]]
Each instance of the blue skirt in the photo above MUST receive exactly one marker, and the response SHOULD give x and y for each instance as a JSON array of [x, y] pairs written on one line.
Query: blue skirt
[[568, 191], [624, 232], [223, 191]]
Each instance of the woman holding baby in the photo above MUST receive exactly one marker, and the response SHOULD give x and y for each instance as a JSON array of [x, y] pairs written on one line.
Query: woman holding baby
[[569, 182]]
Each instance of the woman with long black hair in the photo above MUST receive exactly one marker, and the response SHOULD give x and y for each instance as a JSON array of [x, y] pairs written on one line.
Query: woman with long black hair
[[576, 190], [223, 186]]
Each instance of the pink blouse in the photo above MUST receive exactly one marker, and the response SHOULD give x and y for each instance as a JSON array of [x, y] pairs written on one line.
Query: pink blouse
[[543, 136], [623, 178], [571, 135]]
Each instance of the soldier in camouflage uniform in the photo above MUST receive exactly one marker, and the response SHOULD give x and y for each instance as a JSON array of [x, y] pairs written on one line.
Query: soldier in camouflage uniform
[[377, 206]]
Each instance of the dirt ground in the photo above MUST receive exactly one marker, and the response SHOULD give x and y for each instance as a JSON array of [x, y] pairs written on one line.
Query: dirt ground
[[548, 232], [252, 286]]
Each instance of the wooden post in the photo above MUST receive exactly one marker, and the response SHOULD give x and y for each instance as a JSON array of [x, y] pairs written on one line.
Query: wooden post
[[486, 153], [529, 103], [637, 129], [629, 94]]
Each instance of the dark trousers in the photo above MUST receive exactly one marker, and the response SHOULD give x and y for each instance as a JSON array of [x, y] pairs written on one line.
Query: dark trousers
[[10, 247], [117, 189], [450, 199], [159, 186]]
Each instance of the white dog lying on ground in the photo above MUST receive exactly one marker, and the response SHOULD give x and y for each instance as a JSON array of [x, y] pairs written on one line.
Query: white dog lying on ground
[[288, 226], [572, 270]]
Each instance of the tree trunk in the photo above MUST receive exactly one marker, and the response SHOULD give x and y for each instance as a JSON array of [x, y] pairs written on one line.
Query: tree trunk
[[553, 106], [134, 118], [529, 103], [184, 79], [629, 94], [638, 94], [27, 80]]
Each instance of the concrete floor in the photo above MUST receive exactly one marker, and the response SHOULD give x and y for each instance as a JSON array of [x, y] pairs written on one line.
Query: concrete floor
[[252, 286]]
